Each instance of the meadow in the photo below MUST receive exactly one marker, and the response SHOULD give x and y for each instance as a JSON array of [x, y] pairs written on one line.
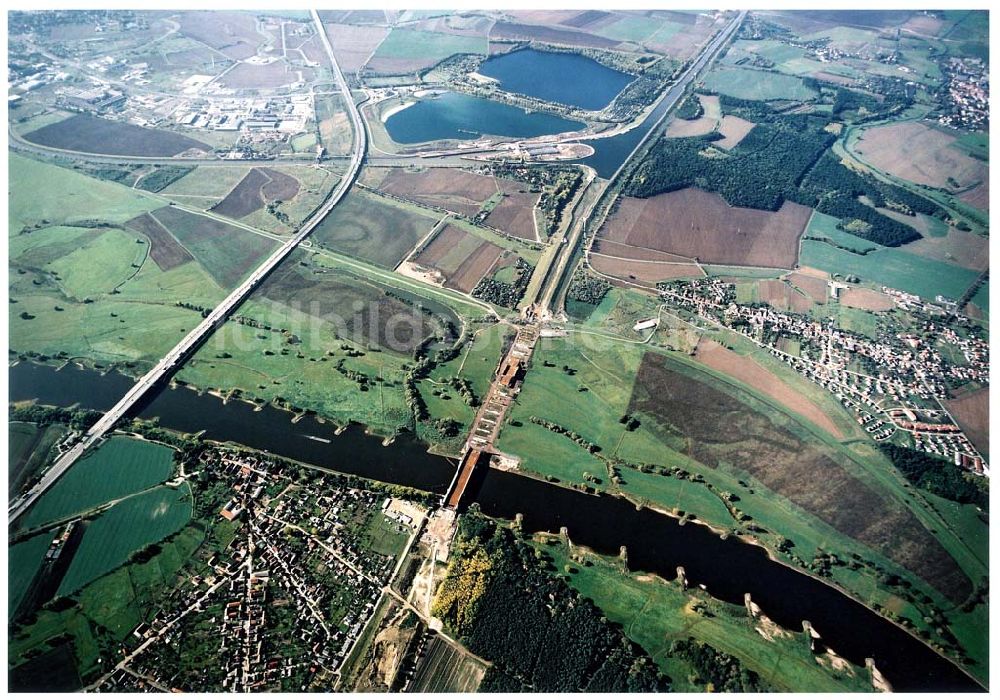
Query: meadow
[[119, 467], [757, 85], [409, 50], [654, 612], [27, 451], [24, 559]]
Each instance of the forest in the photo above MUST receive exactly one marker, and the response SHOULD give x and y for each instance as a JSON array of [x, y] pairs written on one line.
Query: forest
[[784, 157], [504, 602], [939, 476]]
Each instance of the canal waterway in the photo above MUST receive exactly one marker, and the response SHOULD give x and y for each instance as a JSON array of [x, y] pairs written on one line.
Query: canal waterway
[[455, 115], [564, 78], [655, 543]]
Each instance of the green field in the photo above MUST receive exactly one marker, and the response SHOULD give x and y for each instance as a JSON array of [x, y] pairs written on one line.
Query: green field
[[42, 192], [653, 613], [81, 285], [118, 602], [119, 467], [125, 529], [608, 372], [825, 226], [27, 451], [384, 535], [229, 253], [757, 85], [206, 184], [23, 561], [429, 47], [374, 229], [892, 267]]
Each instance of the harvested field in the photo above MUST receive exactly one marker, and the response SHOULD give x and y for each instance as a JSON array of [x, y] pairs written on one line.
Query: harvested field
[[164, 249], [866, 299], [448, 188], [259, 187], [589, 19], [972, 411], [621, 250], [359, 311], [262, 77], [921, 154], [373, 229], [534, 32], [460, 256], [701, 225], [782, 296], [227, 253], [682, 45], [353, 44], [978, 196], [748, 371], [515, 214], [650, 272], [957, 247], [88, 134], [716, 425], [813, 287], [232, 33], [828, 77], [704, 124], [443, 669], [734, 130]]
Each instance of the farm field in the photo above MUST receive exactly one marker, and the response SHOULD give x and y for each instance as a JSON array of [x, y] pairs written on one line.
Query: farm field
[[919, 153], [207, 182], [460, 257], [654, 612], [757, 85], [608, 373], [648, 271], [891, 267], [164, 249], [95, 135], [126, 528], [42, 192], [24, 560], [866, 299], [744, 369], [232, 33], [247, 76], [119, 467], [776, 452], [445, 670], [227, 252], [259, 187], [704, 124], [514, 214], [27, 450], [733, 130], [409, 50], [703, 226], [972, 411], [373, 229], [353, 44], [448, 188]]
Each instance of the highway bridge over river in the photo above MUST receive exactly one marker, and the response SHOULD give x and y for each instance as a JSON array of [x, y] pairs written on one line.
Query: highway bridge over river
[[172, 361]]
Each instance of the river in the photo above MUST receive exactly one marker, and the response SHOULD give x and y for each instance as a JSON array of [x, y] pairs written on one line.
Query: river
[[655, 543]]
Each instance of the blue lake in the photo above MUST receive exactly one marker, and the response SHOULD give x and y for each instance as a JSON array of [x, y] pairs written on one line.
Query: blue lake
[[566, 78], [458, 116]]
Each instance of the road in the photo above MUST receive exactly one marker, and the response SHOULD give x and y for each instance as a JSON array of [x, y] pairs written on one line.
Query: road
[[173, 359]]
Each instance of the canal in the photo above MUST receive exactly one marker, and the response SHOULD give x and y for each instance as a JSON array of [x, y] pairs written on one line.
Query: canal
[[655, 543]]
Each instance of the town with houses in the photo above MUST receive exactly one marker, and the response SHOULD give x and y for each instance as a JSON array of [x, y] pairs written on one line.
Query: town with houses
[[282, 604], [894, 384]]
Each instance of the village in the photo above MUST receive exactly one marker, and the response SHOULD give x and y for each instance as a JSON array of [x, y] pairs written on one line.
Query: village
[[283, 604], [894, 384]]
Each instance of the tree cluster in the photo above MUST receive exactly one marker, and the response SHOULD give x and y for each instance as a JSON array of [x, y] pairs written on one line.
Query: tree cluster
[[939, 476]]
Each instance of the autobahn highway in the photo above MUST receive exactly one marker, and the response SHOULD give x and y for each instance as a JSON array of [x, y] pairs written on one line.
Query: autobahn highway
[[173, 359]]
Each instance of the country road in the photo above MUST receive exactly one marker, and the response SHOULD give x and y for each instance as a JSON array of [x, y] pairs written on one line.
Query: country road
[[172, 361]]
